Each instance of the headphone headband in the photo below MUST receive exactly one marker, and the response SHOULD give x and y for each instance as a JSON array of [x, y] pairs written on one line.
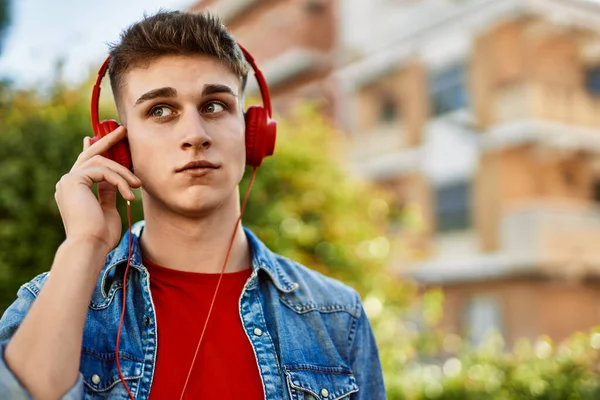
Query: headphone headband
[[262, 85]]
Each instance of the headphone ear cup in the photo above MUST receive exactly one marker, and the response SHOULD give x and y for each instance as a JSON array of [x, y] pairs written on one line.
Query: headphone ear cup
[[261, 132], [119, 152]]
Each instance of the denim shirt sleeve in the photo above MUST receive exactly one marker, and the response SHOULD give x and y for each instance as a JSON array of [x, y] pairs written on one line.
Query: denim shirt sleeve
[[365, 362], [10, 387]]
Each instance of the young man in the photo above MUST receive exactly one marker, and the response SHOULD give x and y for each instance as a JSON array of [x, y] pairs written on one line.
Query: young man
[[277, 331]]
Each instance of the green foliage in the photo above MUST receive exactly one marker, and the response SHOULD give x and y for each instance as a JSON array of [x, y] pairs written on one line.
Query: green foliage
[[304, 205], [38, 142], [4, 19], [426, 363], [539, 370]]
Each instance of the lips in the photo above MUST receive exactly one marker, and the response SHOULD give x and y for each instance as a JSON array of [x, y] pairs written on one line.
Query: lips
[[198, 165]]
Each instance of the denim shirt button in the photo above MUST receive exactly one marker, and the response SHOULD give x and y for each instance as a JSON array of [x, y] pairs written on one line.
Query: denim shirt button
[[257, 332], [95, 379], [324, 393], [147, 320]]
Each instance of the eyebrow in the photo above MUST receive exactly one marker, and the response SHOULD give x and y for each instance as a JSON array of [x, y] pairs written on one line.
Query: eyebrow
[[153, 94], [212, 89], [171, 92]]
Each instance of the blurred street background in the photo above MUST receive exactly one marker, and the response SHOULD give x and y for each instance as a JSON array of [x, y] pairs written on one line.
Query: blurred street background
[[440, 156]]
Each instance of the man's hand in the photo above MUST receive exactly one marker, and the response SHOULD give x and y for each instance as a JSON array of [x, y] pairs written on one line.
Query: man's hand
[[84, 216], [45, 351]]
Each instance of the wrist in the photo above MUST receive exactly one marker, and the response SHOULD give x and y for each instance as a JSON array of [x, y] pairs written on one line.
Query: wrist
[[90, 244], [83, 254]]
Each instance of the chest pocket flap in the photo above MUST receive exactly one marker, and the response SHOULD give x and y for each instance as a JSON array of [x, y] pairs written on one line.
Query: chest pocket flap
[[100, 374], [316, 382]]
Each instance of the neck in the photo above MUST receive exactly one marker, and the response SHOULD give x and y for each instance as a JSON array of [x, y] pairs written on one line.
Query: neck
[[196, 244]]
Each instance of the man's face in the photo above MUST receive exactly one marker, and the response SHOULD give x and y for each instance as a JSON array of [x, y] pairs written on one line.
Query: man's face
[[184, 109]]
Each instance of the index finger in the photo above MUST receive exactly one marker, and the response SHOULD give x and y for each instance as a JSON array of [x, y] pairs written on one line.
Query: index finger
[[101, 146]]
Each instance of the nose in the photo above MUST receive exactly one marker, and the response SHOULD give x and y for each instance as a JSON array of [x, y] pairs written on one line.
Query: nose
[[194, 132]]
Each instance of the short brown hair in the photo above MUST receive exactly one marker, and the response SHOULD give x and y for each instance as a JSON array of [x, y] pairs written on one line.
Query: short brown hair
[[174, 33]]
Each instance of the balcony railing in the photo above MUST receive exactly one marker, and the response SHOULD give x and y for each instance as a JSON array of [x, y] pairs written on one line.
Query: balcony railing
[[539, 238], [548, 103], [562, 237], [551, 116]]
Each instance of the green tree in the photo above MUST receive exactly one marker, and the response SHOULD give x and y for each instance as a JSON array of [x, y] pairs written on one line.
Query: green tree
[[306, 206], [4, 20], [39, 140]]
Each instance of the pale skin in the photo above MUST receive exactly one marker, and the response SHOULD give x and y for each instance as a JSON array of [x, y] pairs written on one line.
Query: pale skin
[[178, 109]]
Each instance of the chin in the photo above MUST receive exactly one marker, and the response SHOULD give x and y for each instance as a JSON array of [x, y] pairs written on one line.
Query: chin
[[200, 203], [193, 202], [195, 207]]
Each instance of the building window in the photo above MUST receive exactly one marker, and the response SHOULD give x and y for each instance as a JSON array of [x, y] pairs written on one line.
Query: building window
[[453, 206], [592, 81], [315, 6], [482, 316], [448, 90], [596, 191], [388, 110]]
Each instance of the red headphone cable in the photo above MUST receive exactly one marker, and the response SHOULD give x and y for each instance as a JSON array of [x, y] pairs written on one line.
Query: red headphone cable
[[124, 300], [254, 170]]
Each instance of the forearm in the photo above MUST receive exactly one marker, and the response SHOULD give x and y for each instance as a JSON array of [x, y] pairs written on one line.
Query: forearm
[[45, 351]]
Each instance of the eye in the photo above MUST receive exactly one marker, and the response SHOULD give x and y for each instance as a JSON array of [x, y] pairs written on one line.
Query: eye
[[161, 112], [214, 107]]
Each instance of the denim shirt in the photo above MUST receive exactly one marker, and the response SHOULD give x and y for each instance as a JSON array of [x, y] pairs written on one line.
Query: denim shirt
[[310, 335]]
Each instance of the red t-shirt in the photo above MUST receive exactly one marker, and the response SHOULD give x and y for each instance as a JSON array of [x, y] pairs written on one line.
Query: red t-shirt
[[225, 367]]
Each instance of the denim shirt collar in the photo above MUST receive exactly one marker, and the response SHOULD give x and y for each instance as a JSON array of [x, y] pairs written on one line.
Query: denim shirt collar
[[262, 259]]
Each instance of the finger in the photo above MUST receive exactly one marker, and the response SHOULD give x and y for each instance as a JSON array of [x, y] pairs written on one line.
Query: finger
[[107, 195], [86, 142], [100, 161], [102, 145], [105, 174]]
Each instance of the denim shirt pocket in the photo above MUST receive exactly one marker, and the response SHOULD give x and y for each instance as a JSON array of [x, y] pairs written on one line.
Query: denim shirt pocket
[[101, 378], [316, 382]]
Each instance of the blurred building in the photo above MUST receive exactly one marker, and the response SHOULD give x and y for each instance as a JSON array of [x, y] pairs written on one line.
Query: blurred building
[[483, 115]]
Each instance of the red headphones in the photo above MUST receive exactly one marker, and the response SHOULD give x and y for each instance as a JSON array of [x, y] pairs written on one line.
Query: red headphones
[[260, 128]]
